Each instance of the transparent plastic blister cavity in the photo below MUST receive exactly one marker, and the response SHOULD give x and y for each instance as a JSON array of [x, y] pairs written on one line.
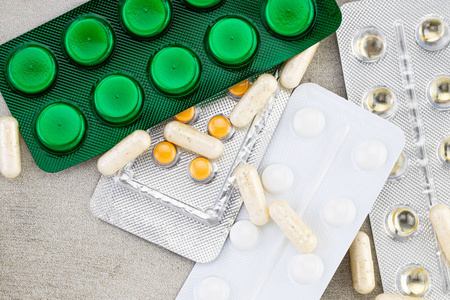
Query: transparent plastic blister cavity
[[414, 69], [166, 206], [330, 159]]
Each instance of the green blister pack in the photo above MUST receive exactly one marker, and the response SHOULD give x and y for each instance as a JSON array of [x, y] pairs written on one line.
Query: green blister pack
[[83, 81]]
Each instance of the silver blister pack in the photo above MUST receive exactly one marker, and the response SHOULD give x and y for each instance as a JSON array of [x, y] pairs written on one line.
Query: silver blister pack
[[166, 207], [396, 59]]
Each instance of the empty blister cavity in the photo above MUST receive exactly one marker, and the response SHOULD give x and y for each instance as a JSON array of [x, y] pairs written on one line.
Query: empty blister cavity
[[309, 122], [400, 167], [289, 19], [89, 40], [165, 154], [306, 268], [432, 33], [31, 69], [277, 179], [232, 41], [369, 45], [145, 18], [220, 127], [245, 236], [339, 211], [118, 99], [413, 280], [175, 71], [370, 155], [438, 91], [212, 287], [381, 101], [202, 170], [60, 128], [444, 151], [402, 222]]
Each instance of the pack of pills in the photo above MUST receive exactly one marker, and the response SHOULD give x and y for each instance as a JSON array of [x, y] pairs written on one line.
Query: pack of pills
[[324, 168], [179, 193], [82, 82], [395, 58]]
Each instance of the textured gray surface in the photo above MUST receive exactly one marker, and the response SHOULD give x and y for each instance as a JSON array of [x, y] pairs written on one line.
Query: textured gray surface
[[50, 244]]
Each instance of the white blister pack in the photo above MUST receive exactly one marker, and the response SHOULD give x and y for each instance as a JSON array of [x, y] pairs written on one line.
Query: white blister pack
[[396, 58], [328, 160]]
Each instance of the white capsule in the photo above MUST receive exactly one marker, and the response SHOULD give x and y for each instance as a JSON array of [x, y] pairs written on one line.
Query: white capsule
[[396, 297], [10, 164], [252, 192], [193, 140], [363, 274], [370, 155], [124, 152], [254, 100], [293, 226], [440, 219], [296, 67]]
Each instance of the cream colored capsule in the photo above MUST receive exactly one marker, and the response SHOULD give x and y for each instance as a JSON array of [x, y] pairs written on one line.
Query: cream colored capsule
[[396, 297], [252, 193], [193, 140], [10, 164], [440, 219], [363, 274], [296, 67], [254, 100], [124, 152], [293, 226]]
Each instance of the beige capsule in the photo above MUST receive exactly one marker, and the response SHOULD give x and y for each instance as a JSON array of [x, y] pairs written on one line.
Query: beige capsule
[[10, 162], [295, 68], [396, 297], [124, 152], [252, 192], [440, 219], [293, 226], [361, 263], [253, 100], [193, 140]]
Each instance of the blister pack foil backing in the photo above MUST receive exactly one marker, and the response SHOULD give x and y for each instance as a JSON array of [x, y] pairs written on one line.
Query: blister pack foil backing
[[324, 169], [425, 178], [165, 207]]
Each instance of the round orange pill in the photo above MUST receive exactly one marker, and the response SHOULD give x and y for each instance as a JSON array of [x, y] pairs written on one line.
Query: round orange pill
[[201, 169], [220, 127], [240, 89], [187, 116], [165, 154]]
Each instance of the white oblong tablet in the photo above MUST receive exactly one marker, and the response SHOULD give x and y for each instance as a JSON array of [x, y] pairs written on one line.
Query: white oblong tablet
[[306, 268], [370, 155], [212, 288], [309, 122], [277, 179], [245, 236], [339, 211]]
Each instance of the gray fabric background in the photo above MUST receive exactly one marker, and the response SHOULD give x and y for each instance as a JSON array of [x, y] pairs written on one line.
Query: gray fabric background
[[50, 244]]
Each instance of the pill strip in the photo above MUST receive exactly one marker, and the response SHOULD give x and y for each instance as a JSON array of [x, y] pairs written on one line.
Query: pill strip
[[326, 164], [409, 66], [419, 138], [166, 226], [211, 215], [74, 82]]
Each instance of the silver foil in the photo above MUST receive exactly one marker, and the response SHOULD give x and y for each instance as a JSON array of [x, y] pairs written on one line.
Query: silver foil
[[164, 206], [425, 182]]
